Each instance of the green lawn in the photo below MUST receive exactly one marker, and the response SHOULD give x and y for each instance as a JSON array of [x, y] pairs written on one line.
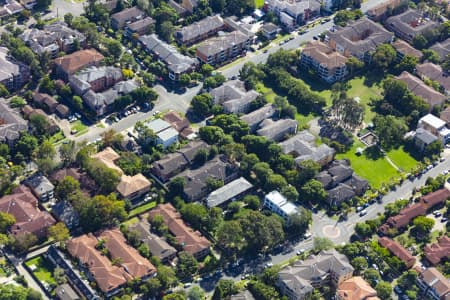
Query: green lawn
[[376, 172], [78, 126], [402, 159], [259, 3], [43, 270], [141, 209], [57, 137]]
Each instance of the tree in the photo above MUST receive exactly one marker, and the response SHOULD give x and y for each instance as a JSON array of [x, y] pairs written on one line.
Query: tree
[[313, 192], [68, 152], [114, 47], [176, 187], [384, 290], [195, 214], [321, 243], [202, 104], [43, 4], [101, 211], [40, 124], [105, 177], [184, 79], [431, 56], [372, 276], [130, 163], [354, 65], [408, 64], [26, 145], [110, 137], [384, 56], [308, 169], [230, 237], [17, 102], [201, 157], [300, 221], [22, 242], [165, 30], [17, 292], [435, 148], [252, 201], [196, 293], [224, 289], [59, 275], [179, 295], [59, 232], [207, 69], [363, 230], [166, 276], [6, 221], [187, 265], [3, 91], [347, 112], [151, 287], [420, 42], [423, 225], [68, 18], [359, 263], [263, 291], [46, 150], [67, 186], [390, 130]]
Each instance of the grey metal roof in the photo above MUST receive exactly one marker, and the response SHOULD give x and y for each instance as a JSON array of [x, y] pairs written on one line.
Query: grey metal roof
[[215, 45], [204, 26], [228, 192]]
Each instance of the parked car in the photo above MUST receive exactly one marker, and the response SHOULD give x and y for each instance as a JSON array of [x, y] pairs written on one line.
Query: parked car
[[359, 208], [363, 213], [300, 251], [398, 290], [444, 219]]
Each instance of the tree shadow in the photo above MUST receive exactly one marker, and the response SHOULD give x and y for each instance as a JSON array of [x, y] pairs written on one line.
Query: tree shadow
[[373, 153], [373, 77]]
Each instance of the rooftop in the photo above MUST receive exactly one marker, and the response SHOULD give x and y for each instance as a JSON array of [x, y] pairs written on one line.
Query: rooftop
[[406, 49], [356, 288], [434, 279], [215, 45], [324, 54], [76, 61], [437, 251], [228, 192], [410, 23], [8, 67], [434, 72], [200, 28], [398, 250]]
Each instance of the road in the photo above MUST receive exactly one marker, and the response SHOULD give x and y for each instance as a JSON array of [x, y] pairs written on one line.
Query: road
[[260, 57], [166, 101]]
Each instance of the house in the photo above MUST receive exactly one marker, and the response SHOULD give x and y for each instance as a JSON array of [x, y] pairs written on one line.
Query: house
[[181, 11], [223, 48], [434, 72], [244, 295], [129, 187], [109, 278], [13, 74], [232, 191], [410, 24], [28, 4], [234, 23], [294, 13], [403, 48], [29, 112], [166, 135], [423, 138], [302, 146], [433, 284], [189, 5], [11, 124], [41, 187], [419, 88], [174, 163], [234, 97], [66, 292], [66, 213], [70, 64], [199, 31], [255, 118], [407, 214], [126, 16], [101, 86], [109, 5], [134, 264], [277, 130], [53, 38], [385, 9], [23, 205], [158, 246], [270, 31], [329, 64], [438, 251], [278, 204], [196, 186], [298, 281], [341, 183], [176, 63], [359, 38], [62, 111], [59, 260], [356, 288], [190, 241], [140, 27], [445, 116], [443, 48], [45, 101], [436, 127], [13, 7], [180, 124], [398, 250]]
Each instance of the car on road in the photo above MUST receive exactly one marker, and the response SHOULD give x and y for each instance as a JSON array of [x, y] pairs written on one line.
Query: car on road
[[437, 213], [363, 213], [300, 251], [73, 131], [266, 50], [444, 219], [359, 208], [307, 235], [187, 285], [77, 115]]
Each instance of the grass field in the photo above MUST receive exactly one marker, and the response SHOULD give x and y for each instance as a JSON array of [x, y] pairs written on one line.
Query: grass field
[[57, 137], [402, 159], [377, 171], [43, 269], [141, 209]]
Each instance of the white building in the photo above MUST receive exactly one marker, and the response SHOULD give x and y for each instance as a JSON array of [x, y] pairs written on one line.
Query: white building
[[166, 135], [436, 127], [278, 204]]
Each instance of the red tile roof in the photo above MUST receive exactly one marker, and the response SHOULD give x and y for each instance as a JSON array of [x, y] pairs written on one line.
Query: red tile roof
[[398, 250], [436, 197], [107, 276], [136, 265], [76, 61], [356, 288], [437, 251], [22, 204], [192, 241]]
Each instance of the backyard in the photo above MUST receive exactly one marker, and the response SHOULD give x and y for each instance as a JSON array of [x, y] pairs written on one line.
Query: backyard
[[141, 209], [79, 127], [42, 269]]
